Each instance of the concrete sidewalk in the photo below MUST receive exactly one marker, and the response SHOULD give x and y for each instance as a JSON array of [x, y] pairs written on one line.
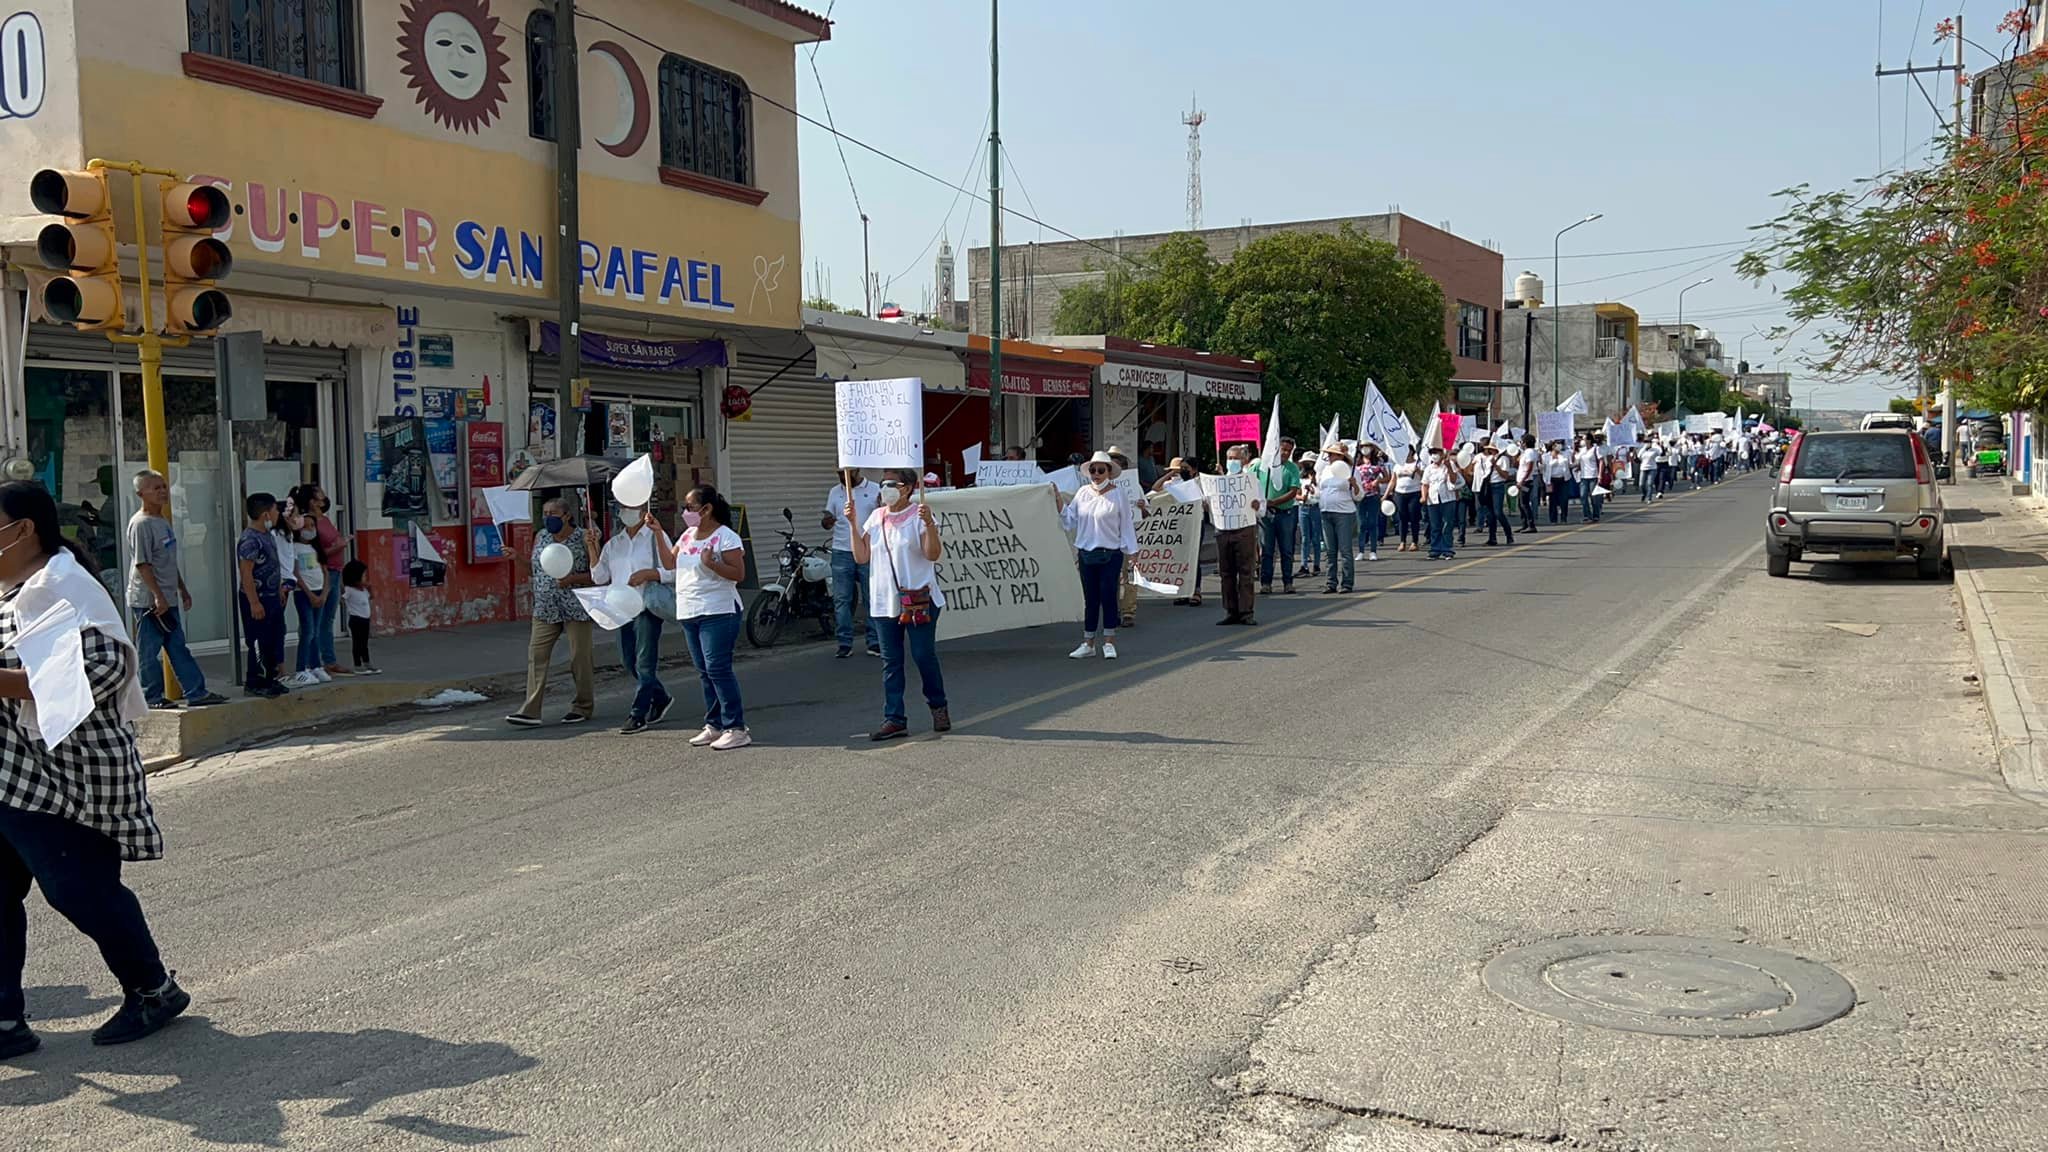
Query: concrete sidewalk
[[489, 659], [1999, 543]]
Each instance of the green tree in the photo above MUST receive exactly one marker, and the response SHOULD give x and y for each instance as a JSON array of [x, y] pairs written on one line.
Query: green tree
[[1704, 390], [821, 304], [1168, 297], [1904, 406]]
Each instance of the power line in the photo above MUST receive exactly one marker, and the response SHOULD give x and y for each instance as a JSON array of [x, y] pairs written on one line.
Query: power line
[[944, 221]]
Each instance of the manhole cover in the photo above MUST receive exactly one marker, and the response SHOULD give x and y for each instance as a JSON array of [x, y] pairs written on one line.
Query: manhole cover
[[1670, 985]]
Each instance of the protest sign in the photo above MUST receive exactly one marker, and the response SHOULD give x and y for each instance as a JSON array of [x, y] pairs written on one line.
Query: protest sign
[[1451, 422], [1667, 430], [1006, 561], [1127, 483], [970, 459], [1168, 540], [1621, 435], [1240, 429], [1186, 491], [1067, 479], [881, 423], [1005, 473], [1551, 426], [1230, 500], [1699, 424]]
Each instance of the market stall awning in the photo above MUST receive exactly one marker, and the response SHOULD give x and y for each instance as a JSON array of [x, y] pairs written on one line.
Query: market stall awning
[[855, 348], [1034, 369]]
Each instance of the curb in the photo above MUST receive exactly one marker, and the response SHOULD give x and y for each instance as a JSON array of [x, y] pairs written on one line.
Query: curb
[[2016, 726]]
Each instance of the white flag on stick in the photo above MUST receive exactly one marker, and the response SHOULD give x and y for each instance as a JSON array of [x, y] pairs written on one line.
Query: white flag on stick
[[1379, 423], [1575, 404], [1271, 455]]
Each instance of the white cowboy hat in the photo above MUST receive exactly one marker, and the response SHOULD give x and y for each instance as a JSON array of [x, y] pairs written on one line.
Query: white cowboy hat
[[1115, 469]]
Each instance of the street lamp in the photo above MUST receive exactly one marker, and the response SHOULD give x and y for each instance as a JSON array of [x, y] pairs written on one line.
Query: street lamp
[[1678, 377], [1557, 321]]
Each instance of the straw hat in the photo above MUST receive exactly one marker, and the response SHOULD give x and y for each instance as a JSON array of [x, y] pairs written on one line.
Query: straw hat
[[1336, 448], [1115, 469]]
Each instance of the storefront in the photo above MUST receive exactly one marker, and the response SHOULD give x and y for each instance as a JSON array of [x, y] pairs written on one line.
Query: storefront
[[856, 348], [81, 417], [779, 438], [1148, 396], [1048, 407]]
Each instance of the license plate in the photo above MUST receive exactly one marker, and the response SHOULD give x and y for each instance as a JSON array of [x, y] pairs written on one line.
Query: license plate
[[1852, 503]]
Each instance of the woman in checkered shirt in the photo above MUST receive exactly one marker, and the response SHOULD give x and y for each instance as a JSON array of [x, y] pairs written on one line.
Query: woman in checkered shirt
[[71, 814]]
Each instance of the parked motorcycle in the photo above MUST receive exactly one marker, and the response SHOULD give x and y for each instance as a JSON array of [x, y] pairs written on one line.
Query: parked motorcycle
[[802, 588]]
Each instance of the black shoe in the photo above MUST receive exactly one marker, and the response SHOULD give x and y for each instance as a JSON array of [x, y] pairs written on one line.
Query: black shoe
[[164, 706], [874, 649], [660, 712], [18, 1040], [142, 1013], [845, 650], [206, 701], [890, 730], [575, 717], [1230, 620], [633, 724], [521, 720], [942, 719], [1329, 591], [1246, 620]]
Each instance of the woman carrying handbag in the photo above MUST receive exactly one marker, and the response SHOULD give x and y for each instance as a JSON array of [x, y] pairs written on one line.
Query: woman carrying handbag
[[900, 545]]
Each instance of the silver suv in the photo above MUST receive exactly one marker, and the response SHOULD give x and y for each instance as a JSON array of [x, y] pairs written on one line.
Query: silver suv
[[1856, 496]]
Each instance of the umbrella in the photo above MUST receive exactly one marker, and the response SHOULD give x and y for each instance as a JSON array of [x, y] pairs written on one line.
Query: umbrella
[[570, 472]]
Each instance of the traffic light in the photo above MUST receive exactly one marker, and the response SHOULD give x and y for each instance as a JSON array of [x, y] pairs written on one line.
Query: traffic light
[[83, 247], [193, 257]]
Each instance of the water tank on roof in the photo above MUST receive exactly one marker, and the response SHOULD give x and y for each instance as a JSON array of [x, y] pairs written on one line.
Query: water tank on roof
[[1529, 289]]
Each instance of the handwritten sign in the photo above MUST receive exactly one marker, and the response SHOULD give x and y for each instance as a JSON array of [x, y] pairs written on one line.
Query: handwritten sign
[[1240, 429], [1699, 424], [1552, 426], [1230, 500], [1621, 435], [1006, 561], [1127, 483], [1007, 473], [1168, 542], [881, 423]]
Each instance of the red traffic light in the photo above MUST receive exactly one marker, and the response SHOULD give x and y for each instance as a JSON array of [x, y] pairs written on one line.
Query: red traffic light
[[196, 206]]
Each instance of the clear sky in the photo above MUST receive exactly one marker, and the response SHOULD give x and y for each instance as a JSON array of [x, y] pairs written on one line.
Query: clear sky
[[1676, 120]]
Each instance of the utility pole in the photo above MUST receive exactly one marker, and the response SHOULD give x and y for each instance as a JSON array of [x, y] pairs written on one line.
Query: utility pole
[[569, 238], [1528, 363], [867, 272], [1557, 317], [1956, 127], [995, 242], [1678, 377]]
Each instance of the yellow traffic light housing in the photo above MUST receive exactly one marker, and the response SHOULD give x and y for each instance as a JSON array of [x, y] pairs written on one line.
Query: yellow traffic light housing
[[193, 257], [83, 246]]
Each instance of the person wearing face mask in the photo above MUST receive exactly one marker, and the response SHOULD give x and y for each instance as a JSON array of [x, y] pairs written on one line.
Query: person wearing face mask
[[331, 550], [1105, 531], [632, 558], [1237, 553], [1408, 501], [557, 614], [312, 595], [1440, 504], [900, 544], [849, 577], [72, 813], [708, 561], [262, 600]]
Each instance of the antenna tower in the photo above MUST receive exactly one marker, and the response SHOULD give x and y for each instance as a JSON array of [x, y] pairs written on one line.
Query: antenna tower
[[1194, 120]]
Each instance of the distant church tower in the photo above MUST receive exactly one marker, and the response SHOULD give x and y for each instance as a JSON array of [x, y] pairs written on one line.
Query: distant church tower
[[942, 281]]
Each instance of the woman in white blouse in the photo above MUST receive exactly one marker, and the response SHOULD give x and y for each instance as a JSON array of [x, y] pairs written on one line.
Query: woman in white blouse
[[1105, 531], [709, 559], [899, 543]]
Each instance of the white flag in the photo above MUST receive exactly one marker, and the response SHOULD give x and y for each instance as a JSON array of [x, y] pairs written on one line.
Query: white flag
[[1408, 426], [1271, 454], [1574, 404], [1379, 423], [1433, 432]]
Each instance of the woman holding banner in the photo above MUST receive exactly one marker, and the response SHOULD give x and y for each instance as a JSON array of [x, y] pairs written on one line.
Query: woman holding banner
[[1105, 530], [900, 545]]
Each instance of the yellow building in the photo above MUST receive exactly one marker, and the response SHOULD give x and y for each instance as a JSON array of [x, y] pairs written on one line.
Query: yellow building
[[391, 169]]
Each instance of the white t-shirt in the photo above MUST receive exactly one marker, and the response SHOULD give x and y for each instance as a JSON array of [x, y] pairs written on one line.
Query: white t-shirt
[[699, 590], [1333, 487], [896, 561], [1437, 485], [1589, 463], [1408, 477], [867, 496], [357, 601]]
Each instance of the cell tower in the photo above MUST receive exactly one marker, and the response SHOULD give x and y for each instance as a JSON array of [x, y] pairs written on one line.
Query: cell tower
[[1194, 120]]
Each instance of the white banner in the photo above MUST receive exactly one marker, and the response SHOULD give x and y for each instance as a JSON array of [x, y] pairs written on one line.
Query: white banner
[[1230, 500], [1168, 541], [881, 423], [1007, 473], [1553, 426], [1668, 430], [1383, 426], [1006, 562], [1699, 424], [1575, 404], [1621, 435]]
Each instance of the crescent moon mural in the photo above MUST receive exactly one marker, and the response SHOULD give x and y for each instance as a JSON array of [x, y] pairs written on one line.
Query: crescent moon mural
[[628, 130]]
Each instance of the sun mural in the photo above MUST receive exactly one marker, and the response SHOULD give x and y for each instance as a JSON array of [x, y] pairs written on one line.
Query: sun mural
[[454, 60]]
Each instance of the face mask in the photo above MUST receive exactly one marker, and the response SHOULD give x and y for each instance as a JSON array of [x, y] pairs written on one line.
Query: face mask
[[553, 524], [692, 517], [1104, 484], [892, 491], [17, 541], [1236, 466], [309, 534]]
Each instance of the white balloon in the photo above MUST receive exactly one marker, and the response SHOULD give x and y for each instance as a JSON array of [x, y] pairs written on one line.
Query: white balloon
[[625, 600], [634, 485], [556, 560], [1388, 508]]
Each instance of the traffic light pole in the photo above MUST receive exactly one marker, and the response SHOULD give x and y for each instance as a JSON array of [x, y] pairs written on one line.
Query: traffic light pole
[[149, 345]]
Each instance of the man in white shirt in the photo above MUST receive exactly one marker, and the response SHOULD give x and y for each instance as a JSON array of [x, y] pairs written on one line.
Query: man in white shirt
[[1646, 470], [850, 580], [1440, 503], [1494, 494], [629, 559], [1587, 461]]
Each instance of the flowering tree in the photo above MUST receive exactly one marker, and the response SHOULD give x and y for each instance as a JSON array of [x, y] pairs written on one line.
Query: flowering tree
[[1942, 269]]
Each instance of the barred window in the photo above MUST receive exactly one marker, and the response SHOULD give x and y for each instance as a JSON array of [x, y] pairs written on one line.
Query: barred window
[[707, 121], [311, 39], [1471, 331]]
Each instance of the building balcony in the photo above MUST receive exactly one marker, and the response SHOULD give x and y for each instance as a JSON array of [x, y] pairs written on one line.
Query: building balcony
[[1610, 348]]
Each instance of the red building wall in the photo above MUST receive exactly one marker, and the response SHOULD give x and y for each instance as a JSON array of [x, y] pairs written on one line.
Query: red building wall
[[1466, 271]]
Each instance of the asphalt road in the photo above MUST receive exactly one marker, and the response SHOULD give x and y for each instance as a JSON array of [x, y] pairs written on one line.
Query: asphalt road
[[1055, 928]]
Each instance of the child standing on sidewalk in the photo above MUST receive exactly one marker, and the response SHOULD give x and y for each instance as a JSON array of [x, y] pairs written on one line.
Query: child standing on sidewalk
[[355, 596]]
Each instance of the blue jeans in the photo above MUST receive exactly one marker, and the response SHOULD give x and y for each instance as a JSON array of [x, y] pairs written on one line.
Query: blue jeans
[[1277, 530], [1340, 529], [1101, 584], [1409, 507], [923, 642], [711, 640], [264, 638], [1311, 537], [155, 637], [1372, 526], [329, 613], [850, 592], [1497, 512], [640, 652], [79, 871], [1586, 510], [309, 629], [1442, 521]]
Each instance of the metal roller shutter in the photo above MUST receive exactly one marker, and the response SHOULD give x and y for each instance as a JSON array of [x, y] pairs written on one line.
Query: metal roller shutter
[[49, 342], [782, 456]]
